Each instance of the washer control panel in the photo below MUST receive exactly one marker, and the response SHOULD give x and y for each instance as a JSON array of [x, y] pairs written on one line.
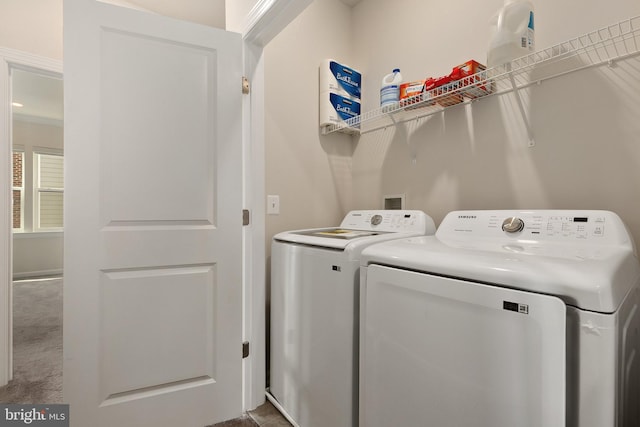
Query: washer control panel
[[535, 225], [553, 226], [389, 221]]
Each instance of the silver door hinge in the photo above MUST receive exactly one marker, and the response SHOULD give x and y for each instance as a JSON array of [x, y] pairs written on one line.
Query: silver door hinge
[[245, 85], [246, 216], [245, 349]]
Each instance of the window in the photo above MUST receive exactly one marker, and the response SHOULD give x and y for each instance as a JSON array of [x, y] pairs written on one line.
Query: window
[[48, 191], [18, 190]]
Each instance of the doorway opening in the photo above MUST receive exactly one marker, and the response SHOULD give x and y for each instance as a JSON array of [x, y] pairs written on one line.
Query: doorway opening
[[37, 236]]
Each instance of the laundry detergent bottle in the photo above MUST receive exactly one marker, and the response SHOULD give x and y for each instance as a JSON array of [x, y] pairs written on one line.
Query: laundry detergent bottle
[[390, 90], [512, 33]]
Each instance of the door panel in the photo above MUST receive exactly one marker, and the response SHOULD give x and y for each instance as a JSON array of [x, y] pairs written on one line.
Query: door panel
[[158, 114], [173, 338], [153, 228]]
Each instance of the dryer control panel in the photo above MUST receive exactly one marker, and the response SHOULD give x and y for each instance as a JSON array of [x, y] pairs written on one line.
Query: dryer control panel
[[591, 227]]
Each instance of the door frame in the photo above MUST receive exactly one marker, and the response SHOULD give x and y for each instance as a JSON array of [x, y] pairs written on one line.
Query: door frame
[[11, 58], [265, 20]]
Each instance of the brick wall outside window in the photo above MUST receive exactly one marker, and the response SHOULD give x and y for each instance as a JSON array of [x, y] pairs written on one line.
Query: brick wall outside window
[[17, 209], [17, 193]]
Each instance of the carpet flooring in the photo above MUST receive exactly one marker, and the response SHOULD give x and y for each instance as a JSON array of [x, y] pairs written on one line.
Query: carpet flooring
[[37, 343], [37, 357]]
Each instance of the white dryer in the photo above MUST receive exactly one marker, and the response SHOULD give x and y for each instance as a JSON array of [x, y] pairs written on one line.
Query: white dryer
[[314, 313], [503, 319]]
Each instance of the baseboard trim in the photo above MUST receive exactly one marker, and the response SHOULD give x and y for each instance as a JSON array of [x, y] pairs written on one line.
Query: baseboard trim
[[37, 274]]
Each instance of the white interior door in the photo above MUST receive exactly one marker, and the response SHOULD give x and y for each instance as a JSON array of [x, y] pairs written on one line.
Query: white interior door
[[153, 316]]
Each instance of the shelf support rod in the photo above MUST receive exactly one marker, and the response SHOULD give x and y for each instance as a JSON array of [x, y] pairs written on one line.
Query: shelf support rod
[[393, 118], [525, 119]]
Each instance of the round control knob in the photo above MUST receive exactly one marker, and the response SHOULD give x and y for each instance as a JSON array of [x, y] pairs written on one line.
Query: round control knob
[[376, 219], [512, 225]]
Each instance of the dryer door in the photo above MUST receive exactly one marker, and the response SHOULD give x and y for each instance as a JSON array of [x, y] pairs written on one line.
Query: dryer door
[[445, 352]]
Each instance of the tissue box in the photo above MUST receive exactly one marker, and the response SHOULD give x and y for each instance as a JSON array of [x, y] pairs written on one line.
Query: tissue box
[[335, 108], [340, 79]]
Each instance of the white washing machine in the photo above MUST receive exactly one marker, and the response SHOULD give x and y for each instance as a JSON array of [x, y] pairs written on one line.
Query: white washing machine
[[503, 319], [314, 313]]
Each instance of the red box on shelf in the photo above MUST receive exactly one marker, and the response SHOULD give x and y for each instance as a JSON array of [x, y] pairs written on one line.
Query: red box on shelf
[[472, 78], [412, 93], [444, 85]]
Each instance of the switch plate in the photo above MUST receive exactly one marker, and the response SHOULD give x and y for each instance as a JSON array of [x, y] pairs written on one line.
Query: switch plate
[[273, 205]]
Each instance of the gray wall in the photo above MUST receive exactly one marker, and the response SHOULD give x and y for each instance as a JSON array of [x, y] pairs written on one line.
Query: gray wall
[[311, 173], [33, 26], [37, 256], [585, 125]]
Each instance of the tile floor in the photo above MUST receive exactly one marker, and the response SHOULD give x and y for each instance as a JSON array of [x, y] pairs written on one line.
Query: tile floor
[[263, 416]]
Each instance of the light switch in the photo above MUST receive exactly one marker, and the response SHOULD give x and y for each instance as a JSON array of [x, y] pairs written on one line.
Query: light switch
[[273, 205]]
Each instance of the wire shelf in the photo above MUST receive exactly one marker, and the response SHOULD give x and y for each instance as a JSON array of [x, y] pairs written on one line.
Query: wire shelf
[[603, 46]]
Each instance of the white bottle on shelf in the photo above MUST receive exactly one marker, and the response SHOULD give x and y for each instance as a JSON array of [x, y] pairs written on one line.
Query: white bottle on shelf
[[512, 33], [390, 90]]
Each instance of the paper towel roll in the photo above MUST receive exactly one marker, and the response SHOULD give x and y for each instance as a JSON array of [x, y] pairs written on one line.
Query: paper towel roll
[[340, 79], [335, 108]]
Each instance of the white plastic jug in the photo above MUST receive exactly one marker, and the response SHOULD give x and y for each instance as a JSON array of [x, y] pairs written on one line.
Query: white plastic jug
[[390, 90], [512, 33]]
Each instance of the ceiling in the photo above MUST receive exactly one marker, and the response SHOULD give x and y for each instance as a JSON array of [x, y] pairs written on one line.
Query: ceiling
[[40, 96]]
